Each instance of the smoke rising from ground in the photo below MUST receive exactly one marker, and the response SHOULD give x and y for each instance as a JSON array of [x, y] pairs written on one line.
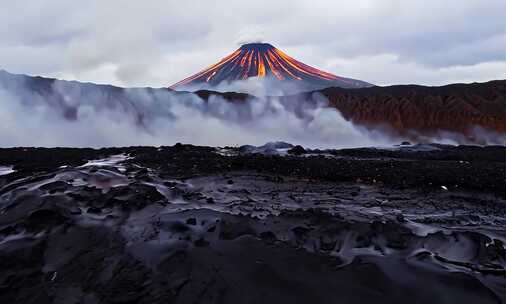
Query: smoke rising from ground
[[84, 115], [43, 112], [256, 86]]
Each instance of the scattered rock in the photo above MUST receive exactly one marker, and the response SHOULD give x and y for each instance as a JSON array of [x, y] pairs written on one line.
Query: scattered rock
[[201, 243], [94, 210], [297, 150], [191, 221]]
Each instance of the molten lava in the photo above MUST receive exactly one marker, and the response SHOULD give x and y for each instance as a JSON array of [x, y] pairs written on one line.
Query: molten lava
[[263, 60]]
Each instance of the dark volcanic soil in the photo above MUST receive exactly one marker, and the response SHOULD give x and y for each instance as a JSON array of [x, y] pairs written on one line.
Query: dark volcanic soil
[[412, 110], [186, 224]]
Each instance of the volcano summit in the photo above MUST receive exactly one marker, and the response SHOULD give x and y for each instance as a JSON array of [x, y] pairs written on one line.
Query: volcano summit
[[264, 61]]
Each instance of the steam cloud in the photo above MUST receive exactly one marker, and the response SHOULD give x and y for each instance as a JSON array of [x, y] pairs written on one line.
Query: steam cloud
[[84, 115], [252, 34], [256, 86]]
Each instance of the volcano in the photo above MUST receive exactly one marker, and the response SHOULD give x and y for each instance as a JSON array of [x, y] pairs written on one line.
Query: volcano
[[266, 62]]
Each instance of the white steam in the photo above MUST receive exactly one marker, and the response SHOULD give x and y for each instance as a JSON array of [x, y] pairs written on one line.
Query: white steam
[[252, 34], [83, 115], [256, 86]]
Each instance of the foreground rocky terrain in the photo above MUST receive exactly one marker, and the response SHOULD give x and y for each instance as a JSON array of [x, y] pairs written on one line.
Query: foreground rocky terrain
[[272, 224]]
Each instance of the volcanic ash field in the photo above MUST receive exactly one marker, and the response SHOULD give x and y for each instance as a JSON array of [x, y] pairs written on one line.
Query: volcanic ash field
[[271, 224]]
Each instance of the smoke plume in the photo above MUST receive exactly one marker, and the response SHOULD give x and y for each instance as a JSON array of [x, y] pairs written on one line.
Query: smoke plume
[[85, 115]]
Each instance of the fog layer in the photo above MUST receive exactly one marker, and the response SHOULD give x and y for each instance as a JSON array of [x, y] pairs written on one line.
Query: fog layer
[[83, 115]]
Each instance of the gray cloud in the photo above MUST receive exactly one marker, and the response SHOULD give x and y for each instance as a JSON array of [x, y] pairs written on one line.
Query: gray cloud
[[157, 43]]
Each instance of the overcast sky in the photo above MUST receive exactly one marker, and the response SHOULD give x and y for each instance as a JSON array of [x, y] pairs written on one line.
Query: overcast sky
[[159, 42]]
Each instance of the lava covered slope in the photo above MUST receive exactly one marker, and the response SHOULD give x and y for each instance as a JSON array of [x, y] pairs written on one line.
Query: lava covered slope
[[263, 60]]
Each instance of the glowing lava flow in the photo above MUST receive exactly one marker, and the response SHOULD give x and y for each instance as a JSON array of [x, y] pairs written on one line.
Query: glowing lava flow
[[265, 61]]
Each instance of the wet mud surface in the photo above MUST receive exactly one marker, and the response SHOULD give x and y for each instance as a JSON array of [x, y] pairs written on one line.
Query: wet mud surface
[[186, 224]]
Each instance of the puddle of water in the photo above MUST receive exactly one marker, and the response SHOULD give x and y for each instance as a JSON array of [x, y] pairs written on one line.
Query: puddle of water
[[6, 170], [111, 161], [20, 236]]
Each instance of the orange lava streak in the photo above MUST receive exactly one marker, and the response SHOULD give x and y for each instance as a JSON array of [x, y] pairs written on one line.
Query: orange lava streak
[[305, 68], [273, 56], [289, 60], [209, 70], [318, 72], [210, 76], [244, 58], [246, 71], [263, 60], [273, 69], [261, 66], [236, 61]]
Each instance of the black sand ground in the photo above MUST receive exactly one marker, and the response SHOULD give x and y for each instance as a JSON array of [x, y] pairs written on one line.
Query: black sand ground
[[188, 224]]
